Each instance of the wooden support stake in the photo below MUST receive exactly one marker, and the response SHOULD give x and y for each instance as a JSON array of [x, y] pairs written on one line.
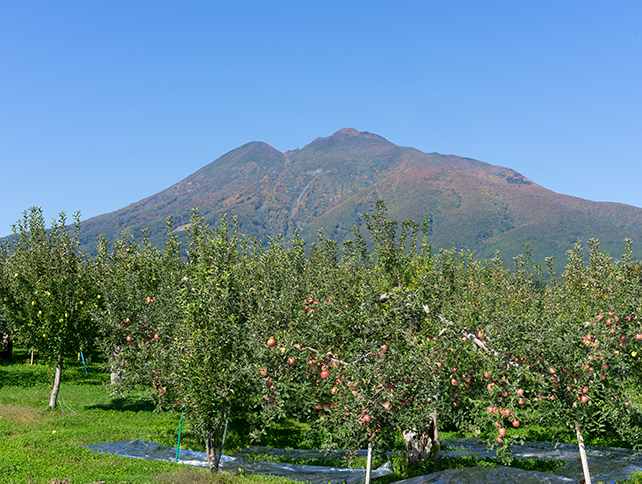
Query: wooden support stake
[[369, 463], [580, 443]]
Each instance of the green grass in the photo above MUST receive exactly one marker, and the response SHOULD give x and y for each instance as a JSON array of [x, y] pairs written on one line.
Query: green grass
[[43, 446], [356, 462]]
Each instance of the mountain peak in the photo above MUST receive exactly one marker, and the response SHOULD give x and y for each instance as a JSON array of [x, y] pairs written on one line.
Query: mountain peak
[[347, 131], [350, 136]]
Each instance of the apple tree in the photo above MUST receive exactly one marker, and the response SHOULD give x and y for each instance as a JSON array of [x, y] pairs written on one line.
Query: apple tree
[[356, 357], [141, 312], [215, 341], [48, 290]]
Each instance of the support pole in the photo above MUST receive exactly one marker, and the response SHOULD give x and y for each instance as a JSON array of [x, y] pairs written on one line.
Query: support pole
[[369, 463], [580, 443], [178, 444], [83, 362]]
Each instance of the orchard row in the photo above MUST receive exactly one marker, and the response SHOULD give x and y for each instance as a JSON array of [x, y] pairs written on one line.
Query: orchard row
[[365, 343]]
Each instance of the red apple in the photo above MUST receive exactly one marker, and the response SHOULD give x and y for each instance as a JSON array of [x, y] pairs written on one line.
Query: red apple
[[263, 371], [502, 431], [515, 423], [325, 374], [500, 440], [271, 342], [366, 418], [384, 347], [454, 382], [291, 360], [129, 338], [584, 398]]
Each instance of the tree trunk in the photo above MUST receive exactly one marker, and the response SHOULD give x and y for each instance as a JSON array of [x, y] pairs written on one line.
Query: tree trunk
[[422, 444], [213, 448], [6, 348], [115, 373], [56, 386]]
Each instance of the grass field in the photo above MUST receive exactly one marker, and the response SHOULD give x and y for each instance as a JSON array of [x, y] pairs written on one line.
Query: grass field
[[41, 446]]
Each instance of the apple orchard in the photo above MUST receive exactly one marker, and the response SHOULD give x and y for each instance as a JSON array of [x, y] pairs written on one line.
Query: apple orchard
[[373, 340]]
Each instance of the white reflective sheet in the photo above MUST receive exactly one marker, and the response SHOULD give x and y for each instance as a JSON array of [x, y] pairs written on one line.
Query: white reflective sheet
[[607, 464]]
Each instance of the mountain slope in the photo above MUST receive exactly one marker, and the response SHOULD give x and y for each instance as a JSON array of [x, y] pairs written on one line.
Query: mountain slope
[[330, 182]]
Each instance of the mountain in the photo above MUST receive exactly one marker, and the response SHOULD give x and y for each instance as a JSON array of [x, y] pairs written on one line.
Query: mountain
[[332, 181]]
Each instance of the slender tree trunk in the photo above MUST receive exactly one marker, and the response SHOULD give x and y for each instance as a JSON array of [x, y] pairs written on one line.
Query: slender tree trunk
[[208, 446], [56, 386], [213, 448], [436, 445], [115, 373]]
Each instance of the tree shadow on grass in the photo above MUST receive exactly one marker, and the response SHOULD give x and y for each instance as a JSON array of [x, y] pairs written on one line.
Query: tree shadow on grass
[[126, 405]]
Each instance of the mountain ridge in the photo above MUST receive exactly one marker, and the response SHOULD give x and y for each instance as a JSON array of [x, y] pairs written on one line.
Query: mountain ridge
[[330, 182]]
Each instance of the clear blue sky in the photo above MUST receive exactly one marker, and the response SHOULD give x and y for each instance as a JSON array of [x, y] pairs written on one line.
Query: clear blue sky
[[103, 103]]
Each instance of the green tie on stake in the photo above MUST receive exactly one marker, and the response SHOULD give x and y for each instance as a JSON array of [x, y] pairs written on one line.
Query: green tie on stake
[[178, 444]]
